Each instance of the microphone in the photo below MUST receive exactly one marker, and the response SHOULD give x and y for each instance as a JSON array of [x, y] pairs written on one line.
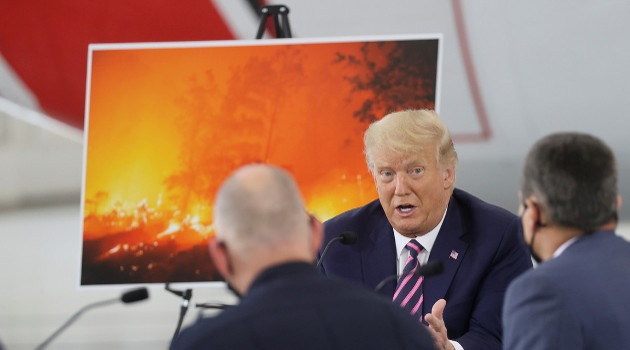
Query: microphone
[[134, 295], [431, 268], [347, 237], [128, 297]]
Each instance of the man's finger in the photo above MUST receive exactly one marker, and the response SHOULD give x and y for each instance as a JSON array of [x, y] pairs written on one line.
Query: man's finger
[[438, 308]]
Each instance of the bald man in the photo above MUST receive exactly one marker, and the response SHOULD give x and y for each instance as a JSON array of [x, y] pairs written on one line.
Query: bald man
[[264, 247]]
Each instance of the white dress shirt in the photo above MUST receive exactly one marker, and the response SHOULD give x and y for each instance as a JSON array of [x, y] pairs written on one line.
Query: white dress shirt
[[427, 240]]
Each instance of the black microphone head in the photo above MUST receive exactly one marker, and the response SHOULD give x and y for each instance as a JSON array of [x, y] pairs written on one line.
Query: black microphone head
[[431, 268], [348, 237], [135, 295]]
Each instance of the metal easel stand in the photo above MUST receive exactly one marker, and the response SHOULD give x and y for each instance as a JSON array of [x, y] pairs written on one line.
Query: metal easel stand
[[280, 17]]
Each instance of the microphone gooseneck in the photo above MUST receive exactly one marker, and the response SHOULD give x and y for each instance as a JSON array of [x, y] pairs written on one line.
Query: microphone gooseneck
[[127, 297], [347, 237], [431, 268]]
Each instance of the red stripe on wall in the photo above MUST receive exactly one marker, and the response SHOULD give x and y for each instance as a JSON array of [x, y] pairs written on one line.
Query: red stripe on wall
[[47, 46]]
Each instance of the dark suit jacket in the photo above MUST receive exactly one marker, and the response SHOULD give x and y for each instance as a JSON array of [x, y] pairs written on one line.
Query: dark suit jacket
[[291, 306], [479, 244], [578, 300]]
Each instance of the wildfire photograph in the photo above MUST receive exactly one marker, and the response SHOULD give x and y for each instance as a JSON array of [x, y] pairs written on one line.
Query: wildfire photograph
[[167, 123]]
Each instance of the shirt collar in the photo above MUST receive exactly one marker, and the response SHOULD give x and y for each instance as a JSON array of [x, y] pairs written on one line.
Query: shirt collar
[[427, 240], [564, 247]]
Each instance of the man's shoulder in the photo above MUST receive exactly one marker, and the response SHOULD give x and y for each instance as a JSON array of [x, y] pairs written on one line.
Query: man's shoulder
[[312, 303], [367, 209], [210, 330], [479, 207], [555, 271], [484, 221], [357, 215]]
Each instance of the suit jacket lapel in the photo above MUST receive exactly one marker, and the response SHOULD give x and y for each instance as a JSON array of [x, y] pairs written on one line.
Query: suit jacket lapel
[[449, 248], [379, 254]]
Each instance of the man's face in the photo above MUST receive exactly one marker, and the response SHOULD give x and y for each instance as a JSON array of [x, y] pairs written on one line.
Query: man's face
[[413, 189]]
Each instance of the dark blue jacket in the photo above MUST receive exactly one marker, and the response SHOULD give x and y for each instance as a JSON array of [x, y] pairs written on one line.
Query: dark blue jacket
[[291, 306], [479, 244]]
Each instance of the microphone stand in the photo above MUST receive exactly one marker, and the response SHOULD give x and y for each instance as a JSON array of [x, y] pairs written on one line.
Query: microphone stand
[[321, 257], [186, 296], [384, 282], [347, 237], [74, 318], [131, 296]]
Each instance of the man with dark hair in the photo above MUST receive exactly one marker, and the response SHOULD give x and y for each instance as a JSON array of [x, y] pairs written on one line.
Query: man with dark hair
[[577, 297]]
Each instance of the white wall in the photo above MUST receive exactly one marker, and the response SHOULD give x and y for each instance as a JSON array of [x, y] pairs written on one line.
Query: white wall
[[40, 252]]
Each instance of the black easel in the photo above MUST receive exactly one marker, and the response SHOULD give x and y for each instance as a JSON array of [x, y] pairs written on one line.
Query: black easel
[[280, 17]]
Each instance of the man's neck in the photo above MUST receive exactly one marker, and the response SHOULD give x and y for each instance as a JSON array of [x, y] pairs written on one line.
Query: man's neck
[[556, 236], [561, 235], [261, 262]]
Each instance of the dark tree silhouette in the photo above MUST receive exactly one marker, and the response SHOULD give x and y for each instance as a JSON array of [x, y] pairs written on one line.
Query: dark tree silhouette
[[258, 91], [397, 74], [225, 128]]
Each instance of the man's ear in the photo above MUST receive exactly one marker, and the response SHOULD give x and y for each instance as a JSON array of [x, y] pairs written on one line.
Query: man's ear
[[218, 253], [449, 176], [529, 216], [317, 234], [532, 215], [619, 202]]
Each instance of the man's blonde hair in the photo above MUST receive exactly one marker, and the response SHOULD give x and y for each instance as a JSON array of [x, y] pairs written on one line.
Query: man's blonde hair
[[407, 132]]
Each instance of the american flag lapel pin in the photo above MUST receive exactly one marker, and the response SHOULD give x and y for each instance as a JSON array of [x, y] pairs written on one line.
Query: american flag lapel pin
[[453, 255]]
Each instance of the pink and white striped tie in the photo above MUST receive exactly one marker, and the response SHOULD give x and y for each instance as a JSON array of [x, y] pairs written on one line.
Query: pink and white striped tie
[[409, 288]]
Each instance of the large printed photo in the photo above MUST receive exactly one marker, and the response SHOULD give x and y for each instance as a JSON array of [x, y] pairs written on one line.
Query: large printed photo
[[167, 123]]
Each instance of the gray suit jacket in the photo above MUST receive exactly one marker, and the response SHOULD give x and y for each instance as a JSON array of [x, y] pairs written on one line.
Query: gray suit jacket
[[578, 300]]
